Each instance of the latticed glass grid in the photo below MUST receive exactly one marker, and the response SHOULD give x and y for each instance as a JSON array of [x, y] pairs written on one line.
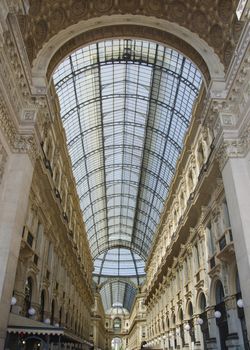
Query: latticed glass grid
[[118, 293], [125, 106], [119, 262]]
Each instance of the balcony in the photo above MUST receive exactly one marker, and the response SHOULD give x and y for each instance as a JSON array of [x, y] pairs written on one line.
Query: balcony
[[226, 247], [26, 244]]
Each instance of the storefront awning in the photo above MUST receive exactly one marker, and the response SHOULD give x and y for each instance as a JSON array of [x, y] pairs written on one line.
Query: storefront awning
[[20, 324]]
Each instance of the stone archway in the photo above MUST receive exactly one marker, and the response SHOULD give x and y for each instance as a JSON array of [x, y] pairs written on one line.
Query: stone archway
[[190, 22]]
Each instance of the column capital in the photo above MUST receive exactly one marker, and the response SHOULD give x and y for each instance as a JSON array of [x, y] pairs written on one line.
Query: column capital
[[210, 312], [234, 148], [230, 303]]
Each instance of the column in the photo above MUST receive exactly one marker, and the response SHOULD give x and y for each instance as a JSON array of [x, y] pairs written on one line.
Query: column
[[187, 340], [235, 339], [198, 334], [213, 341], [15, 188], [236, 179], [178, 337]]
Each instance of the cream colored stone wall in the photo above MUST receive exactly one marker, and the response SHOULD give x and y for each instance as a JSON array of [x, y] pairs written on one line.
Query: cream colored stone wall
[[100, 336], [183, 263], [203, 237]]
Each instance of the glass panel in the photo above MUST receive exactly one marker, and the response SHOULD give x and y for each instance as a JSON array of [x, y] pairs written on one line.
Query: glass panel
[[126, 106]]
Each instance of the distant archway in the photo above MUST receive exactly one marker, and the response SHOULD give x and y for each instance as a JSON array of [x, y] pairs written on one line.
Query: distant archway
[[116, 343]]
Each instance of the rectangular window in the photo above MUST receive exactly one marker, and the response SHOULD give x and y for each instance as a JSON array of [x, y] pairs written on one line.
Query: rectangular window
[[35, 259], [30, 239], [210, 238], [222, 242]]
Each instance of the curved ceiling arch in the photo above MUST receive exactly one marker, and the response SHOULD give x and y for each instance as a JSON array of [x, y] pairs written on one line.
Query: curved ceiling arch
[[114, 279], [167, 33], [120, 263], [137, 248], [211, 22], [118, 291], [198, 29]]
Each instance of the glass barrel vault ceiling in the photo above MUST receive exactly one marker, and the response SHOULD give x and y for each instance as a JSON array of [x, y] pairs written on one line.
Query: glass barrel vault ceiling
[[125, 106]]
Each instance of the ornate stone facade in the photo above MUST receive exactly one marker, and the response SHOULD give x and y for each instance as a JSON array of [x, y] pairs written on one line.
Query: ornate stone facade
[[195, 251], [214, 22]]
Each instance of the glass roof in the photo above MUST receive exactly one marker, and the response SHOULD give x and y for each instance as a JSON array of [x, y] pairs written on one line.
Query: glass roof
[[125, 106], [118, 292], [119, 262]]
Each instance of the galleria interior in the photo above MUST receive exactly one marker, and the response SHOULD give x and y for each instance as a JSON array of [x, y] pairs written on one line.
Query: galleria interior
[[124, 174]]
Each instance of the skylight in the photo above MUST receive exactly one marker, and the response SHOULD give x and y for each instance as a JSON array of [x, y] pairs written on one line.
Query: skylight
[[126, 106]]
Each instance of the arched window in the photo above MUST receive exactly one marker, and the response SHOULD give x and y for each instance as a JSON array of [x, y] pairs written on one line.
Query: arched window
[[190, 310], [28, 296], [181, 315], [173, 319], [60, 316], [237, 283], [201, 156], [117, 324], [42, 305], [39, 233], [190, 180], [197, 257], [50, 255], [202, 302], [67, 318], [52, 312], [219, 292], [168, 323], [226, 217]]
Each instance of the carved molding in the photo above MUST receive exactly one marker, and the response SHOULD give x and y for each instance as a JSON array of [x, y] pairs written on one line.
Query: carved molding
[[42, 23], [116, 31], [236, 148], [18, 143]]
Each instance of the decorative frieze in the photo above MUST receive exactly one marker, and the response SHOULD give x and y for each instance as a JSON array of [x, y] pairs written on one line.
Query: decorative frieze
[[235, 148], [18, 143]]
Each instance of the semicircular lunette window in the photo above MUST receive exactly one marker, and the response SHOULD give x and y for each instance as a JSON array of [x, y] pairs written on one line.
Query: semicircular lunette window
[[126, 106]]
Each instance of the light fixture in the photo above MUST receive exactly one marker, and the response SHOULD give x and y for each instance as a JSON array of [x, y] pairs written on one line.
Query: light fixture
[[47, 321], [13, 301], [240, 303], [217, 314], [56, 324], [187, 327], [199, 321], [31, 311]]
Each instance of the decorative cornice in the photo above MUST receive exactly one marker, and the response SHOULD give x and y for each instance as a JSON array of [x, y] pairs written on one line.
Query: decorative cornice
[[18, 143], [235, 148]]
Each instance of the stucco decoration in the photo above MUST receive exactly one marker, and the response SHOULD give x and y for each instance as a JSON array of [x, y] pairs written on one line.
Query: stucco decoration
[[131, 31], [48, 17]]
